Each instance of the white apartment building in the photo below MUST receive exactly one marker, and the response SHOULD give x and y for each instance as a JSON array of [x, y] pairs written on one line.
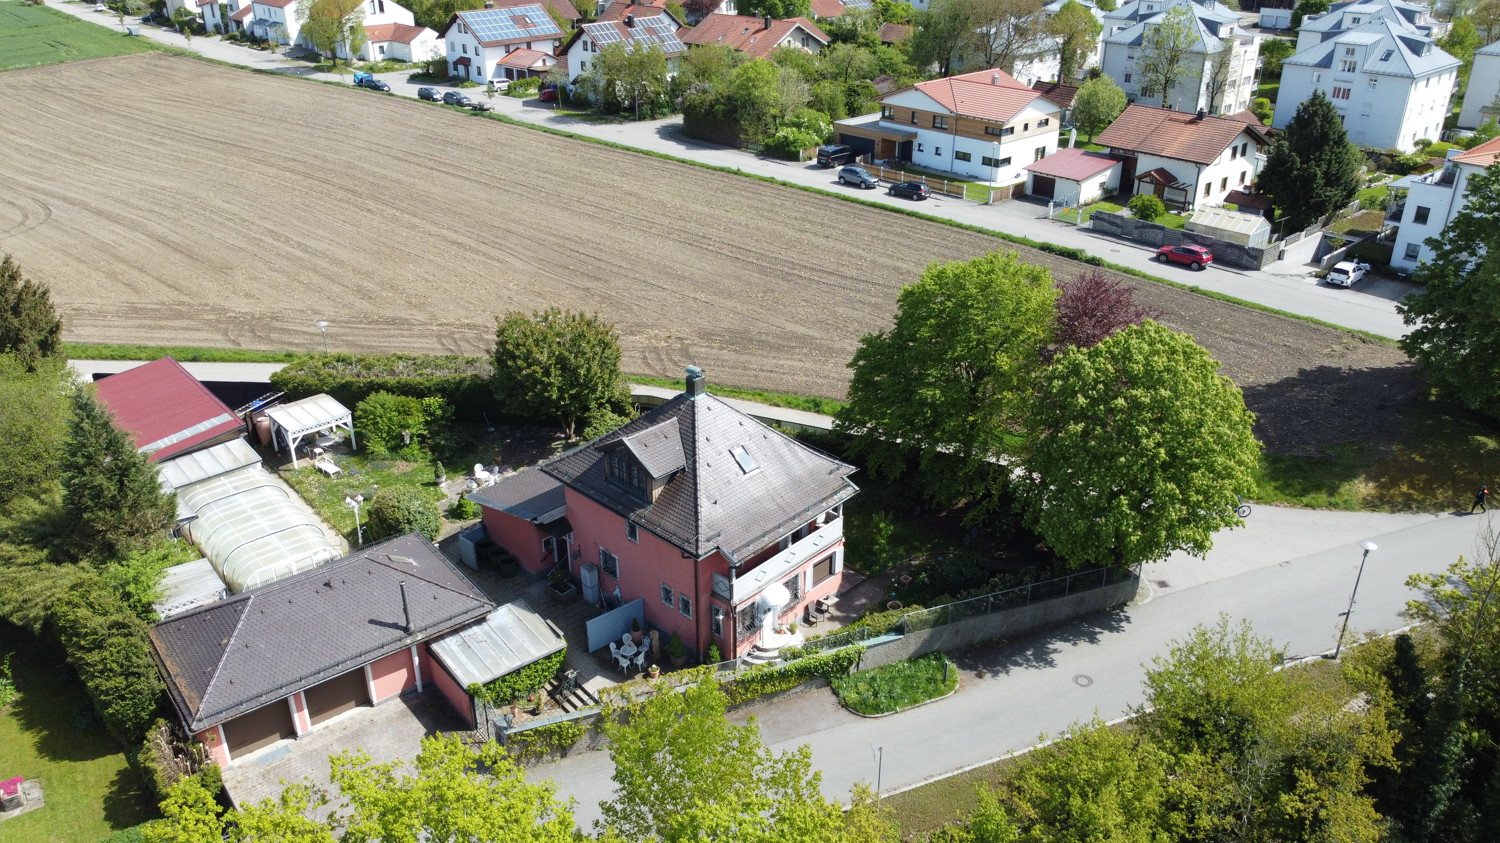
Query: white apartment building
[[1346, 15], [1482, 97], [1433, 199], [1391, 84], [1215, 27]]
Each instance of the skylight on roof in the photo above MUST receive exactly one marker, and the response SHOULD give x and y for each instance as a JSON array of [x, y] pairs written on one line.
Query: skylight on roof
[[1387, 55], [742, 456]]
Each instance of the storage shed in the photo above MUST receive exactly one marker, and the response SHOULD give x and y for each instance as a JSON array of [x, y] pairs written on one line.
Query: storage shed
[[1233, 226], [1073, 176]]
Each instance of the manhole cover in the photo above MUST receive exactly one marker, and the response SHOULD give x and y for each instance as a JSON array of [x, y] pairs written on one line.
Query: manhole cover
[[1083, 680]]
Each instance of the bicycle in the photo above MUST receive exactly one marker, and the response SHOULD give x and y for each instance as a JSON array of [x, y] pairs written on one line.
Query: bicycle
[[1241, 509]]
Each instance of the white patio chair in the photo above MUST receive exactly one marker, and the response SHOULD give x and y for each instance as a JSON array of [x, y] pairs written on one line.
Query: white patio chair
[[614, 650], [624, 664], [640, 659]]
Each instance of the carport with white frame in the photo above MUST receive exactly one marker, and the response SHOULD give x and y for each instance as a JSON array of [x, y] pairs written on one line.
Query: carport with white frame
[[320, 414]]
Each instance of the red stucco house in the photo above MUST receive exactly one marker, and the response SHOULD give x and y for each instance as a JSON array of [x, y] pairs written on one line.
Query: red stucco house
[[723, 526]]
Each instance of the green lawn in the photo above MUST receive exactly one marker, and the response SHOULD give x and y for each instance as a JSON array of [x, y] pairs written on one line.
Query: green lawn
[[1268, 88], [885, 690], [52, 735], [361, 477], [37, 35]]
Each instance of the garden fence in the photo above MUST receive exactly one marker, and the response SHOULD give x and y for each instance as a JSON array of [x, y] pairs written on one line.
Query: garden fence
[[1024, 595]]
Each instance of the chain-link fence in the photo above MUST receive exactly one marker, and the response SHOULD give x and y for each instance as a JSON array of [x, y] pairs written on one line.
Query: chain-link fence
[[1025, 595]]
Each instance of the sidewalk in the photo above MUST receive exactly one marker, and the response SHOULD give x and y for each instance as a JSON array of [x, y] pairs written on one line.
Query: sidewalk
[[1288, 288]]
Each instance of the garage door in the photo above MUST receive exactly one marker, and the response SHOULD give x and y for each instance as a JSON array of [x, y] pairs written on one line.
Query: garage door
[[336, 696], [262, 727], [1043, 186]]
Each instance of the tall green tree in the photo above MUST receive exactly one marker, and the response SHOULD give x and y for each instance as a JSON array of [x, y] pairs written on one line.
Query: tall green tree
[[556, 365], [1461, 42], [943, 31], [1100, 785], [1007, 33], [777, 9], [110, 490], [1097, 104], [1455, 323], [1305, 8], [628, 79], [684, 773], [1077, 30], [1137, 448], [1166, 56], [331, 25], [1274, 51], [1486, 20], [951, 379], [1312, 169], [29, 327], [34, 411], [108, 645], [452, 793]]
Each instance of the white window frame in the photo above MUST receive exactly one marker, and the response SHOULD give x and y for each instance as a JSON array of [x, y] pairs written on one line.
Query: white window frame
[[632, 532], [668, 594]]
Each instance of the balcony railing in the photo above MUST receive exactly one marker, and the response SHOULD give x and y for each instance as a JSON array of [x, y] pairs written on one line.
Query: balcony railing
[[777, 568]]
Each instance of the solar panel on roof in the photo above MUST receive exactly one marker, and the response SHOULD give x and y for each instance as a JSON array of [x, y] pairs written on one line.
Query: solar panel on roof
[[519, 23]]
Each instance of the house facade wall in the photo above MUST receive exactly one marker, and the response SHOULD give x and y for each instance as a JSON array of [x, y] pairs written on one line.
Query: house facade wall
[[421, 48], [434, 672], [1430, 206], [1091, 189], [1209, 183], [996, 152], [519, 536], [1378, 110], [392, 676], [460, 43], [1483, 90], [277, 15], [1120, 62]]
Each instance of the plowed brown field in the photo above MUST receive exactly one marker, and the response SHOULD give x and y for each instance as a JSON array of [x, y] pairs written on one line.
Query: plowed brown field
[[171, 201]]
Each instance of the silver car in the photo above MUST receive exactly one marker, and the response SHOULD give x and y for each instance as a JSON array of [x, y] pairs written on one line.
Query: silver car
[[858, 177]]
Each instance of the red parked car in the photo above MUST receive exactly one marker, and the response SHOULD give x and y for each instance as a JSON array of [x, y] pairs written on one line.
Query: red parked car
[[548, 94], [1196, 257]]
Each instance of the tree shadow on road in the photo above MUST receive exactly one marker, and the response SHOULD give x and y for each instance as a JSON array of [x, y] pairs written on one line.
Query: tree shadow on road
[[1038, 649]]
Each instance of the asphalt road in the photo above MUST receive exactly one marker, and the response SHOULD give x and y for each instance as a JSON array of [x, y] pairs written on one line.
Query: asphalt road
[[1288, 571], [1370, 306]]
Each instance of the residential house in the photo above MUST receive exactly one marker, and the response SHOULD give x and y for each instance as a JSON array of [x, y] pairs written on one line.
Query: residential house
[[560, 9], [1389, 80], [275, 20], [277, 662], [240, 18], [166, 410], [399, 42], [756, 37], [1482, 96], [1214, 28], [984, 126], [1186, 159], [619, 9], [498, 45], [1074, 177], [1059, 93], [891, 34], [723, 527], [703, 10], [645, 27], [1433, 199], [834, 8]]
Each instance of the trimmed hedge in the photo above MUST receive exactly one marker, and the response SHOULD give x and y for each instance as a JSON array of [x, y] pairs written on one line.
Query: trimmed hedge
[[463, 382], [514, 686], [760, 680]]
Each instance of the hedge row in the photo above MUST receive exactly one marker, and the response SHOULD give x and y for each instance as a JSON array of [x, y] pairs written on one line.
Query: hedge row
[[464, 382], [760, 680]]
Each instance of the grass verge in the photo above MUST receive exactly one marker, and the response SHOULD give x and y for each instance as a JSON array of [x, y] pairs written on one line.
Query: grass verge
[[184, 354], [52, 734], [899, 686], [33, 36]]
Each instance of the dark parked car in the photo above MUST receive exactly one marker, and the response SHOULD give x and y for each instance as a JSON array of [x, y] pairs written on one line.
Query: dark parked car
[[858, 176], [365, 80], [909, 189], [429, 94], [458, 98], [834, 154], [1196, 257]]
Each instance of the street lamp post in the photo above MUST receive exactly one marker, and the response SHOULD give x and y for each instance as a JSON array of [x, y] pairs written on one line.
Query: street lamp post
[[1368, 546], [354, 504], [323, 326]]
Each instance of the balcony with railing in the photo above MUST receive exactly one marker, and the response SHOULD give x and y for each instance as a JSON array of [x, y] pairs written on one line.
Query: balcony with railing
[[749, 579]]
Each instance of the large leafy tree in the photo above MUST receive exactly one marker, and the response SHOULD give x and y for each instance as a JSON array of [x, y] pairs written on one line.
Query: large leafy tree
[[556, 365], [684, 773], [628, 79], [1092, 308], [29, 327], [330, 25], [1455, 324], [1138, 447], [34, 411], [1274, 51], [1101, 785], [1007, 33], [1167, 54], [950, 380], [943, 31], [1312, 169], [110, 490], [1097, 104], [778, 9], [1077, 31]]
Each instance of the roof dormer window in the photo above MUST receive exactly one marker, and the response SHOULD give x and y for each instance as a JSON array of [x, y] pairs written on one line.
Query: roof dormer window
[[625, 471]]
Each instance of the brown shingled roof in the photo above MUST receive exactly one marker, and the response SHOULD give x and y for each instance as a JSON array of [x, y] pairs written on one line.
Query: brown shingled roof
[[640, 8], [894, 33], [1182, 135], [1057, 92], [746, 34]]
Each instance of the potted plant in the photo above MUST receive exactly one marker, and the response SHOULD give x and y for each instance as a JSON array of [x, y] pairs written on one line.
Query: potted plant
[[562, 587], [677, 651], [654, 672], [506, 563], [438, 473], [534, 703], [635, 630]]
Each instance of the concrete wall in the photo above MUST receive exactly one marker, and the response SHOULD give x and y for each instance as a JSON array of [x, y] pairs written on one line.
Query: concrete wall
[[1155, 234], [1001, 624]]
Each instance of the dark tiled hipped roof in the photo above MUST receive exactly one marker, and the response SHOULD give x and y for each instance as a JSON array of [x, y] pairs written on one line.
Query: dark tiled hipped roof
[[716, 501], [260, 646]]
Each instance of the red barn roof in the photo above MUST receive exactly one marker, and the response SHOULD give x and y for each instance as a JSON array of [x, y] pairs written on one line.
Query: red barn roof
[[165, 409]]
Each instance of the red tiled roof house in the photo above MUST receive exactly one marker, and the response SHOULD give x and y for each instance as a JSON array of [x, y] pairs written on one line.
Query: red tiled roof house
[[720, 525], [756, 37], [1187, 159], [984, 126], [1074, 177]]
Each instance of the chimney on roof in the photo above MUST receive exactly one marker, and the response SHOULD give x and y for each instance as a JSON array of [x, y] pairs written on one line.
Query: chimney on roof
[[489, 4], [995, 79], [630, 20], [405, 609], [1202, 113], [694, 382], [768, 21]]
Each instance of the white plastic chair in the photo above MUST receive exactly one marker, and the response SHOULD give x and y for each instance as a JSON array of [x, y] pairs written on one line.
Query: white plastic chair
[[640, 659], [624, 664], [614, 650]]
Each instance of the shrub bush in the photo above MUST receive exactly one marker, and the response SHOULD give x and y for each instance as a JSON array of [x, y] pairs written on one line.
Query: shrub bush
[[1262, 108], [462, 382], [1146, 206], [542, 741], [386, 422], [396, 512], [108, 645], [767, 679], [527, 680], [522, 87], [463, 509]]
